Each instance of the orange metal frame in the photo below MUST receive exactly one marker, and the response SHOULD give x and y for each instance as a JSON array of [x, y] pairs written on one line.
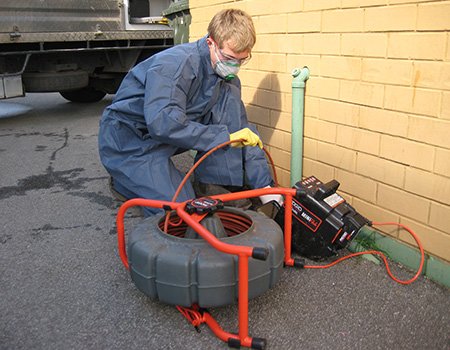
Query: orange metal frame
[[243, 252]]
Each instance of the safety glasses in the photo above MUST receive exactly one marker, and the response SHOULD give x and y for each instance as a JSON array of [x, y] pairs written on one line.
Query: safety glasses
[[230, 59]]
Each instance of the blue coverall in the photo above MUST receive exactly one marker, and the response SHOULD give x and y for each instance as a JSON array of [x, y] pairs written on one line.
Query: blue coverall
[[167, 104]]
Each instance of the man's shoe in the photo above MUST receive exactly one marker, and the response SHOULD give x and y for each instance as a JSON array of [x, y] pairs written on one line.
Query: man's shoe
[[117, 195]]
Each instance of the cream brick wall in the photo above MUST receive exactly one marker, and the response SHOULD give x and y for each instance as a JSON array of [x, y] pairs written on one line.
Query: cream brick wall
[[377, 112]]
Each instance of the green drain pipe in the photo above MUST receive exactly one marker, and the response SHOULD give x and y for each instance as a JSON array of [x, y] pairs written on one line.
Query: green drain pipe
[[300, 76]]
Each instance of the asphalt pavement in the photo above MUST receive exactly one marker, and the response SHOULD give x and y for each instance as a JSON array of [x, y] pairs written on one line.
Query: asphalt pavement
[[62, 284]]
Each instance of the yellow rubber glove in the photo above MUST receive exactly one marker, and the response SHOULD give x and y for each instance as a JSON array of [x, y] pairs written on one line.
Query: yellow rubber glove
[[249, 137]]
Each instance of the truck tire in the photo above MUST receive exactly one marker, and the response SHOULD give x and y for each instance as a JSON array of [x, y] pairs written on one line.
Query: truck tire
[[177, 270], [83, 95], [54, 81]]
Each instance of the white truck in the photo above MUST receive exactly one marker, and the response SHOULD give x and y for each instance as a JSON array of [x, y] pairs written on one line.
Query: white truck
[[79, 48]]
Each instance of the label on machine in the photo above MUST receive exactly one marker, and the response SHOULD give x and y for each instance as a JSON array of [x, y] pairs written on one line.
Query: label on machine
[[305, 216], [334, 200]]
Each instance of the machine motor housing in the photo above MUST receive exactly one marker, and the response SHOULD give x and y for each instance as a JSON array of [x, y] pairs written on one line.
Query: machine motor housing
[[322, 221]]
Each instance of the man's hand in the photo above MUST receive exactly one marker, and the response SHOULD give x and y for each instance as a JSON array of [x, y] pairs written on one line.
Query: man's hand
[[249, 138]]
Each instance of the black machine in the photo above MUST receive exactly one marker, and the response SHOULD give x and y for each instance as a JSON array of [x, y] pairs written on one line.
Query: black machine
[[322, 221]]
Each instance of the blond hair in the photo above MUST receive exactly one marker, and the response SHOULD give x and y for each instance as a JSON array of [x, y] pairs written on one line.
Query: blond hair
[[235, 25]]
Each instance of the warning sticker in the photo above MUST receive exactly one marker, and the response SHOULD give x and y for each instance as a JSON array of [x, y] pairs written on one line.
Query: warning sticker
[[334, 200]]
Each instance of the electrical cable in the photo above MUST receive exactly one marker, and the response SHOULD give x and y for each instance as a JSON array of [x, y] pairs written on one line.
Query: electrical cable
[[383, 256], [235, 218], [235, 224], [193, 316], [189, 173]]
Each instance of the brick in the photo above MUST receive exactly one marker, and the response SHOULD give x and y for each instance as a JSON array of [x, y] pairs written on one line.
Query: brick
[[341, 21], [280, 120], [442, 162], [269, 43], [357, 139], [242, 5], [321, 44], [310, 61], [412, 100], [283, 177], [293, 43], [272, 62], [197, 30], [202, 3], [447, 55], [253, 63], [255, 79], [403, 203], [380, 169], [359, 3], [323, 87], [268, 99], [393, 2], [269, 7], [206, 13], [259, 8], [407, 152], [248, 94], [387, 71], [313, 5], [390, 18], [339, 112], [364, 44], [445, 108], [258, 115], [389, 230], [310, 148], [275, 138], [312, 107], [384, 121], [428, 185], [358, 186], [433, 241], [319, 130], [434, 75], [430, 130], [361, 93], [427, 46], [319, 170], [272, 24], [341, 67], [373, 212], [433, 16], [303, 22], [281, 82], [285, 6], [281, 158], [440, 217], [286, 102], [336, 156]]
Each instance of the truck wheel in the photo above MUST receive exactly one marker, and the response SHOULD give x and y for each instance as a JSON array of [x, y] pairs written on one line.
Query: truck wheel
[[84, 95], [55, 81]]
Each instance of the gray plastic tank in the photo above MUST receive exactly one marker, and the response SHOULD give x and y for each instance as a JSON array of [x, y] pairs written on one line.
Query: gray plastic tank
[[185, 271]]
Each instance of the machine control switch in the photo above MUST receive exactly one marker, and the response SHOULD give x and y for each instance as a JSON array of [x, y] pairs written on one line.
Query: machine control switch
[[203, 205]]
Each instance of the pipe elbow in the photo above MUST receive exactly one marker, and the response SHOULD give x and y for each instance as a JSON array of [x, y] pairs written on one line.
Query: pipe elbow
[[300, 76]]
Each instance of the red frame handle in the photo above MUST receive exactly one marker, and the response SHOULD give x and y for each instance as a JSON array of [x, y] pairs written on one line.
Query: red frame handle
[[243, 252]]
